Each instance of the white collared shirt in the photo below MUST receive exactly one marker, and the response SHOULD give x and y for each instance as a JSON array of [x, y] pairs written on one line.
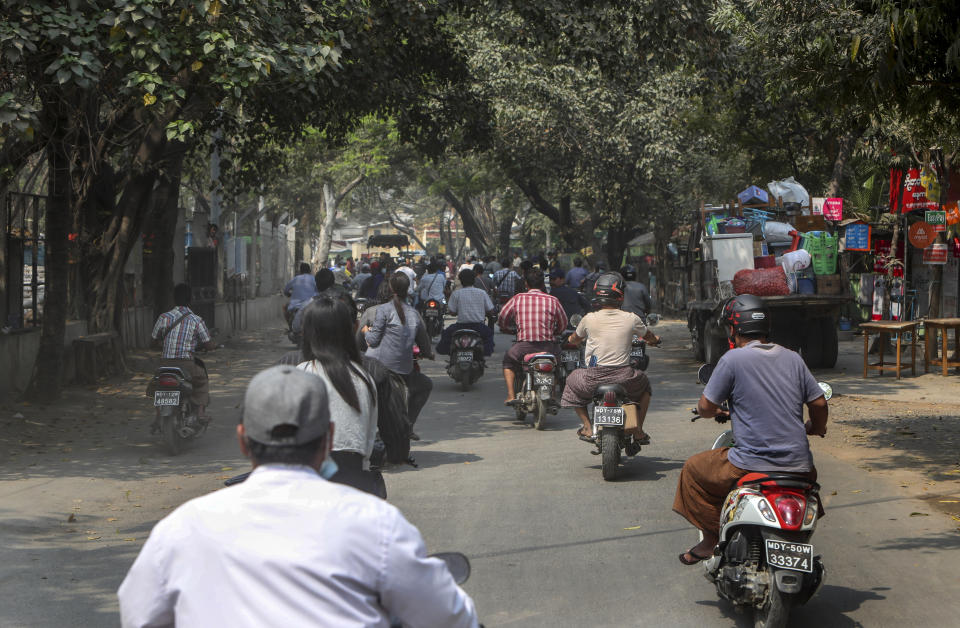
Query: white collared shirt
[[287, 548]]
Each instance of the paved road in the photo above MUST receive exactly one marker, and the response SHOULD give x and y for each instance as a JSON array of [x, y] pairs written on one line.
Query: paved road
[[551, 543]]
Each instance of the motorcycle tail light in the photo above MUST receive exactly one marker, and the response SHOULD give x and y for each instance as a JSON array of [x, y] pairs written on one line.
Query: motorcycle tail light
[[567, 345], [167, 381], [610, 399], [545, 367], [789, 506], [431, 303], [811, 512], [764, 507]]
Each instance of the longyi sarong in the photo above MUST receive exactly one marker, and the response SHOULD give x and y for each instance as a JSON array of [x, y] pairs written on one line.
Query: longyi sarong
[[582, 383]]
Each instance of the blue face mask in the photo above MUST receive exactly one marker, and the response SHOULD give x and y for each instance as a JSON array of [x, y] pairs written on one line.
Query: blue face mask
[[328, 468]]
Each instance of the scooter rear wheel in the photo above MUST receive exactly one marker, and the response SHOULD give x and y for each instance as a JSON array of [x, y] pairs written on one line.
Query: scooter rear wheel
[[776, 611], [172, 438], [610, 453], [540, 414]]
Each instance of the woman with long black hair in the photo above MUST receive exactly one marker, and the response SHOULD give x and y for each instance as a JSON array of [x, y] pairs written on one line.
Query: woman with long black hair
[[330, 352], [391, 338]]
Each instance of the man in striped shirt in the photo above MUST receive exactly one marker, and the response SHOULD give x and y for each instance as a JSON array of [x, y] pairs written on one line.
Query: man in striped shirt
[[539, 319], [180, 331], [507, 282]]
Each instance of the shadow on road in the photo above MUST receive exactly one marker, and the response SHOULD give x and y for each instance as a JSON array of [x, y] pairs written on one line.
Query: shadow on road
[[929, 544], [426, 458], [643, 469], [827, 608]]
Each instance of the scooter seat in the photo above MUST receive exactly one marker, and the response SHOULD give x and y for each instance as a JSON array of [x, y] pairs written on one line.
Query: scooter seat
[[780, 478], [466, 332], [532, 356], [616, 389], [173, 370]]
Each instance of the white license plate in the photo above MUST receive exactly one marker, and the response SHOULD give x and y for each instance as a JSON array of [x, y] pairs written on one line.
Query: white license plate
[[431, 313], [542, 380], [166, 398], [603, 415], [636, 353], [464, 357], [571, 356], [787, 555]]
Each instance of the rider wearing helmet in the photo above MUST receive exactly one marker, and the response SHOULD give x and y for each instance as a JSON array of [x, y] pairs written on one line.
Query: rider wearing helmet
[[609, 332], [767, 386], [636, 297]]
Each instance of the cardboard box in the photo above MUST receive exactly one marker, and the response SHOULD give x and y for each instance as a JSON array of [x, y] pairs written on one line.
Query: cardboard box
[[810, 223], [829, 284]]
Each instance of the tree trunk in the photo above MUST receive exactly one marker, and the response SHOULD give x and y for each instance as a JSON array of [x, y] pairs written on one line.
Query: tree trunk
[[839, 164], [161, 229], [503, 235], [48, 368], [109, 245], [326, 227], [471, 225], [331, 206]]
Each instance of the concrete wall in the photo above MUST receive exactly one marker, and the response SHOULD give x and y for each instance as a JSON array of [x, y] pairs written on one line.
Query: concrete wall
[[18, 352]]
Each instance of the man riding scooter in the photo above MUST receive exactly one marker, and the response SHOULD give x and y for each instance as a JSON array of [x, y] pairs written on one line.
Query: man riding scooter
[[300, 289], [608, 332], [470, 305], [539, 317], [768, 386], [180, 332]]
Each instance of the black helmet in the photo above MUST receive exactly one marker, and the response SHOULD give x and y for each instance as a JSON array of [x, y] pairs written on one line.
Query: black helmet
[[629, 272], [607, 289], [746, 315]]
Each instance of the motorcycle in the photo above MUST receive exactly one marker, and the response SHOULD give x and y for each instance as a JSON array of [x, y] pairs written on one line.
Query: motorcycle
[[764, 560], [571, 355], [536, 386], [466, 358], [615, 427], [433, 316], [638, 346], [176, 419]]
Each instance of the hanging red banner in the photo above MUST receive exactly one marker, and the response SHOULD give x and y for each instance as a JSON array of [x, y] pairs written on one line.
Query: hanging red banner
[[914, 194], [881, 253]]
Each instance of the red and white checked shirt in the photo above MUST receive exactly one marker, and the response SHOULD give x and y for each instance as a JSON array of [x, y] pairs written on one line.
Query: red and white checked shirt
[[539, 316], [181, 342]]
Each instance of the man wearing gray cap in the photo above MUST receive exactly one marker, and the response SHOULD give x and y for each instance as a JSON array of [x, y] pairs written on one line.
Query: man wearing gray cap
[[286, 547]]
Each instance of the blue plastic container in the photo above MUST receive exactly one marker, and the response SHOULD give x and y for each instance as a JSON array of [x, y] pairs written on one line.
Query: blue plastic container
[[805, 286]]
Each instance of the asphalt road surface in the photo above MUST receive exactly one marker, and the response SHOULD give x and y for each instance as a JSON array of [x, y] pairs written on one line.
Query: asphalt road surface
[[551, 543]]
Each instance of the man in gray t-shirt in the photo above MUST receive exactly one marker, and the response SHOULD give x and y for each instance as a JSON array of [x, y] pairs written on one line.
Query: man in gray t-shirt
[[767, 387]]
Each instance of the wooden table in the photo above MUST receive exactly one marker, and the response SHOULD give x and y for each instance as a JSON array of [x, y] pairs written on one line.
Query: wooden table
[[885, 328], [930, 355]]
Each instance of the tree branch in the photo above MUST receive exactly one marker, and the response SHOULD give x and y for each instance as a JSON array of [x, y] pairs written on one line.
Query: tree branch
[[350, 187]]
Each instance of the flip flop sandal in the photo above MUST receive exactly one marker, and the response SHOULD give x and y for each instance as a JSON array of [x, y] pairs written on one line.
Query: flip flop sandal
[[584, 438], [644, 440], [696, 558], [512, 402]]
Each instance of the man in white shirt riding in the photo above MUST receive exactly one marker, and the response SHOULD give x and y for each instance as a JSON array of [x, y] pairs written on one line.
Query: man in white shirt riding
[[286, 547]]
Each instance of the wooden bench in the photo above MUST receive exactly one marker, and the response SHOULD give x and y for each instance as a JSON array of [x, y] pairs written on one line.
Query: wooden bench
[[885, 328], [944, 325], [98, 355]]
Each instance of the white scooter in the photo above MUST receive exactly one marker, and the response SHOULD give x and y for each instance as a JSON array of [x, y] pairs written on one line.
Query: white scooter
[[764, 560]]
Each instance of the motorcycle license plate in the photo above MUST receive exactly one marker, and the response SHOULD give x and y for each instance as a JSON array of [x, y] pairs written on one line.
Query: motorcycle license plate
[[431, 313], [542, 380], [166, 398], [571, 356], [636, 353], [464, 357], [603, 415], [787, 555]]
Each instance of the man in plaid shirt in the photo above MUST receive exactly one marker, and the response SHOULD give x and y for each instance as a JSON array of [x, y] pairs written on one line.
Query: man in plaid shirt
[[188, 330], [506, 282], [539, 320]]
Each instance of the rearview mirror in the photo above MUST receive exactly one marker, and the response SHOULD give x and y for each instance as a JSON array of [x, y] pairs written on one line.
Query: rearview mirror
[[457, 563], [652, 319], [703, 375], [575, 320]]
